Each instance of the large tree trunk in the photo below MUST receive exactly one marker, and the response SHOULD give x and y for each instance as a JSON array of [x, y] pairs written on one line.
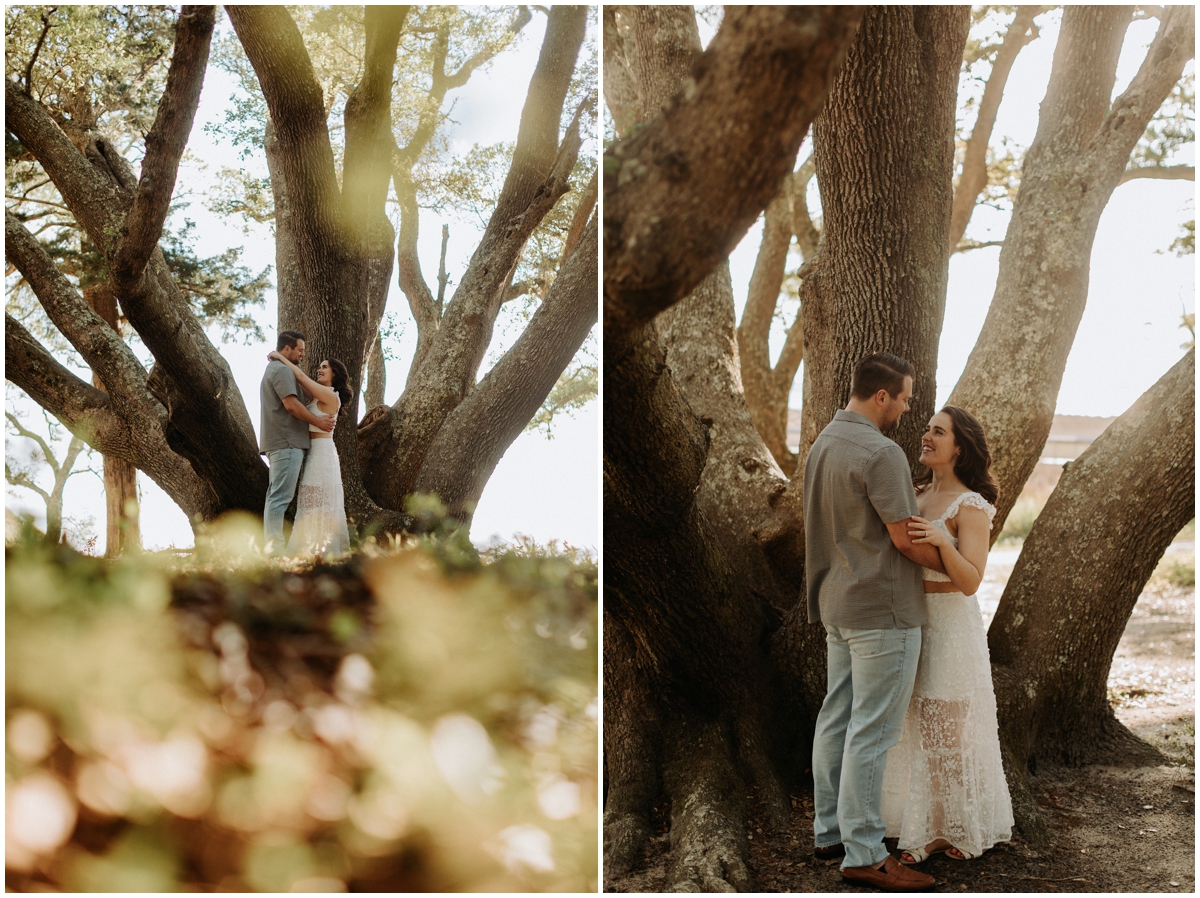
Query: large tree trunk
[[884, 154], [120, 476], [1090, 553], [1077, 158], [884, 148], [686, 476]]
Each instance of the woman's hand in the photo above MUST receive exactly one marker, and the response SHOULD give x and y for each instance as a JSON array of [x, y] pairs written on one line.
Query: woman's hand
[[274, 356], [923, 531]]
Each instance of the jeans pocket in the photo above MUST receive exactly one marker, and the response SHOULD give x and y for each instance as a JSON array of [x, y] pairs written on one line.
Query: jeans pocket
[[864, 643]]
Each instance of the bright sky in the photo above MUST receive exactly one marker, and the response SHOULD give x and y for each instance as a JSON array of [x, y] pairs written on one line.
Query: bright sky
[[544, 488], [1130, 334]]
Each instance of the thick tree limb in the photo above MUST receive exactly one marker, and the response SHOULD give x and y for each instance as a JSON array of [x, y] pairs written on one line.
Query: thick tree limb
[[1125, 123], [1159, 173], [583, 212], [209, 423], [1078, 157], [89, 193], [426, 312], [165, 143], [754, 332], [275, 48], [620, 89], [412, 282], [477, 433], [101, 347], [1107, 524], [91, 415], [973, 179], [778, 58], [84, 410], [369, 141]]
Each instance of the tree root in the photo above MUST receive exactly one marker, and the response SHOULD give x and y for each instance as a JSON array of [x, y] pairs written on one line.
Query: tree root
[[625, 834], [708, 829]]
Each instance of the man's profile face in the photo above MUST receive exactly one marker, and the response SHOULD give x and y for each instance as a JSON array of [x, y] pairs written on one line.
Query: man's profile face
[[293, 353], [896, 407]]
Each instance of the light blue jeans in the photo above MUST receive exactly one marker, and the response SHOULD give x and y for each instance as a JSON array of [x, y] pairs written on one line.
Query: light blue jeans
[[871, 676], [285, 472]]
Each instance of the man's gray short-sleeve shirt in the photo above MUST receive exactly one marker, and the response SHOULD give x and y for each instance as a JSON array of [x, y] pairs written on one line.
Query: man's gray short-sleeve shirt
[[278, 428], [856, 482]]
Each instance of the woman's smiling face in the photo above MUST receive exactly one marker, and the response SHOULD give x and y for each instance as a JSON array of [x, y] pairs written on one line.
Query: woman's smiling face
[[325, 374], [937, 444]]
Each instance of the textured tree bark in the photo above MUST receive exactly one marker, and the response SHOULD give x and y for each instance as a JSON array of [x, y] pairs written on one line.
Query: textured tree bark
[[973, 179], [689, 590], [884, 148], [289, 286], [1077, 158], [1090, 553], [660, 237], [671, 589]]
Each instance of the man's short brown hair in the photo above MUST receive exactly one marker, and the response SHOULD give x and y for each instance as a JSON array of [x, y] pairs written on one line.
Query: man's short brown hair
[[880, 371], [288, 339]]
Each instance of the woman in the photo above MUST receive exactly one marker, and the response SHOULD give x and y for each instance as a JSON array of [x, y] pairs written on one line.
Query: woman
[[320, 527], [944, 788]]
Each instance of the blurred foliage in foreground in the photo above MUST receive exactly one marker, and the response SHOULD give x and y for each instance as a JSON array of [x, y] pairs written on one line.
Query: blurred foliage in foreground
[[404, 720]]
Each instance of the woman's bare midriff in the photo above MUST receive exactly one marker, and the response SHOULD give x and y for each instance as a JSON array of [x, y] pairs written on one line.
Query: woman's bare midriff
[[940, 586], [320, 436]]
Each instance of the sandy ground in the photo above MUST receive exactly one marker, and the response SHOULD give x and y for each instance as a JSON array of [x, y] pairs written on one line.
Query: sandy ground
[[1114, 829]]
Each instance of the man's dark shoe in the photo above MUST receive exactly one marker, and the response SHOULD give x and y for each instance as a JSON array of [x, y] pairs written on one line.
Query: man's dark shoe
[[829, 852], [890, 876]]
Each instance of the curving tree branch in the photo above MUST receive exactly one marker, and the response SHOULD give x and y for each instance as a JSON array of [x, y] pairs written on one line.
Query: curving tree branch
[[676, 175], [101, 347], [477, 433], [165, 143]]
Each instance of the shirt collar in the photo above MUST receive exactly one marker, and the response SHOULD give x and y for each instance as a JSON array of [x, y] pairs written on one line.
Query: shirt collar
[[844, 414]]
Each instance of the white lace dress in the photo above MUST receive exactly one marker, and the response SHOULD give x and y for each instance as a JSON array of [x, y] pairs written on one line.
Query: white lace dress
[[944, 779], [320, 527]]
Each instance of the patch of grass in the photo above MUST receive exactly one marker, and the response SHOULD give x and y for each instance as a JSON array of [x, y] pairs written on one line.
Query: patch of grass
[[1179, 744], [1177, 569], [1020, 520]]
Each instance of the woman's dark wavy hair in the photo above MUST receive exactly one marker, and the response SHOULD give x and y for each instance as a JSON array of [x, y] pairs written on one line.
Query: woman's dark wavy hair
[[341, 384], [974, 463]]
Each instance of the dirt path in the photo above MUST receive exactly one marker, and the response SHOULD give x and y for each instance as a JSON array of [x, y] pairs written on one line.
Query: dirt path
[[1114, 829]]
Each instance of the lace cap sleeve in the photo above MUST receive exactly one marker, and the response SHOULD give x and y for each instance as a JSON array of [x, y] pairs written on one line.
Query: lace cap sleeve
[[977, 501]]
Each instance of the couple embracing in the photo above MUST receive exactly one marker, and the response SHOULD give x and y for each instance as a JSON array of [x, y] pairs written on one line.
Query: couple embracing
[[298, 415], [906, 742]]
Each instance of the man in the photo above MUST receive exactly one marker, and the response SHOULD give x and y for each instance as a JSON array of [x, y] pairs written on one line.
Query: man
[[283, 434], [864, 585]]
